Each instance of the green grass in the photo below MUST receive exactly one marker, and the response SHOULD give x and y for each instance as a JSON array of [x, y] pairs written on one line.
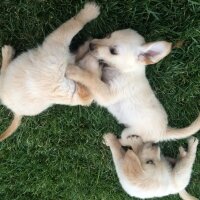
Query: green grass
[[59, 154]]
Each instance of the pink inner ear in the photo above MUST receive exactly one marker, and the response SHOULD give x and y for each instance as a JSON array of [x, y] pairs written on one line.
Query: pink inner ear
[[151, 53]]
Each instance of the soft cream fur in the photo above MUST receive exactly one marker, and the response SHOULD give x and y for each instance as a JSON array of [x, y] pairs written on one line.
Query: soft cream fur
[[36, 80], [145, 173], [124, 89]]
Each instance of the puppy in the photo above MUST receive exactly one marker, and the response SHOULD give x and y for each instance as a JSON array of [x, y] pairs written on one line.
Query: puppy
[[145, 173], [36, 79], [124, 89]]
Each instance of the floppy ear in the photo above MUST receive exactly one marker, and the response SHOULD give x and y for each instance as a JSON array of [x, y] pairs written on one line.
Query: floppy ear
[[132, 166], [153, 52]]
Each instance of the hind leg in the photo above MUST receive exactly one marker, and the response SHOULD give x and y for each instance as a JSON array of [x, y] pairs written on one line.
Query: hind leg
[[183, 168], [8, 53]]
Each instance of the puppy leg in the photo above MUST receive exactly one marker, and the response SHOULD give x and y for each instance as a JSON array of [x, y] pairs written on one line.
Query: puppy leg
[[101, 91], [82, 50], [117, 152], [70, 28], [80, 95], [183, 168], [8, 53]]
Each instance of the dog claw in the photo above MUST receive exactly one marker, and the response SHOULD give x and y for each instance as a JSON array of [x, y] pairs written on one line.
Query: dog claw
[[132, 136]]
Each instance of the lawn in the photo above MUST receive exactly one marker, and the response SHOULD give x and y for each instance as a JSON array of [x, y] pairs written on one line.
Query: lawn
[[59, 155]]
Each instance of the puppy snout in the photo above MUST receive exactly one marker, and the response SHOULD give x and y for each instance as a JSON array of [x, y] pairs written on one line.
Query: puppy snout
[[92, 46]]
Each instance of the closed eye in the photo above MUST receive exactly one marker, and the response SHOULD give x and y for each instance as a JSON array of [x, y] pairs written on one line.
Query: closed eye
[[113, 51], [150, 162]]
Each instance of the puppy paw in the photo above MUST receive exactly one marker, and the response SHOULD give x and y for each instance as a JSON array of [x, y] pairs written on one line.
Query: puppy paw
[[92, 10], [182, 152], [131, 140], [192, 144], [74, 72], [109, 138], [127, 133], [133, 136], [135, 139], [89, 12], [8, 52]]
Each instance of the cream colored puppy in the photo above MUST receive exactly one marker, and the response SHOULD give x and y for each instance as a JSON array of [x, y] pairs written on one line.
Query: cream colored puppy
[[145, 173], [36, 80], [124, 89]]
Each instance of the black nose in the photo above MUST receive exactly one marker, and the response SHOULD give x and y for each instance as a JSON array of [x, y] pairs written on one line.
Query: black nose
[[92, 46]]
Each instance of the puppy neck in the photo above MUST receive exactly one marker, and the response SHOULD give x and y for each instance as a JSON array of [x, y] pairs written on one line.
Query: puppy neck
[[110, 73]]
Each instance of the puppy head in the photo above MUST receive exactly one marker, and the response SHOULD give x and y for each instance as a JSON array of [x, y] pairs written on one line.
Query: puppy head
[[150, 157], [146, 164], [127, 50]]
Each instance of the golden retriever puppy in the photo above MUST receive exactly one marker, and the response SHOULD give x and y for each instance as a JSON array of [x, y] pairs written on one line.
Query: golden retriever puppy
[[36, 80], [124, 89], [145, 173]]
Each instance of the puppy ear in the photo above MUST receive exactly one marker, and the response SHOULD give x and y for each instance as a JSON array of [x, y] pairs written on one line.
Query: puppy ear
[[153, 52], [132, 166]]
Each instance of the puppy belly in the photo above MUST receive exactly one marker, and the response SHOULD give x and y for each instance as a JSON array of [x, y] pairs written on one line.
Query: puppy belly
[[31, 97], [147, 124], [36, 101], [33, 85]]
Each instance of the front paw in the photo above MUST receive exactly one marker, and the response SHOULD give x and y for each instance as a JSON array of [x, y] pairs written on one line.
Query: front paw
[[131, 140], [128, 138], [182, 152], [109, 138], [74, 72], [90, 11]]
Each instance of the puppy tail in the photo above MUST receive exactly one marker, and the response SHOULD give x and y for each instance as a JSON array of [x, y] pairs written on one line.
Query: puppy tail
[[186, 196], [12, 128], [173, 133], [8, 53]]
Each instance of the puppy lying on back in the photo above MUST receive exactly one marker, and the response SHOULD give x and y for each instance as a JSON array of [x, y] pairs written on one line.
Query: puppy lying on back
[[36, 80], [124, 89], [145, 173]]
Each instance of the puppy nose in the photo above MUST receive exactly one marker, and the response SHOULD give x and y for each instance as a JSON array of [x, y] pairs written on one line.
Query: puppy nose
[[92, 46]]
